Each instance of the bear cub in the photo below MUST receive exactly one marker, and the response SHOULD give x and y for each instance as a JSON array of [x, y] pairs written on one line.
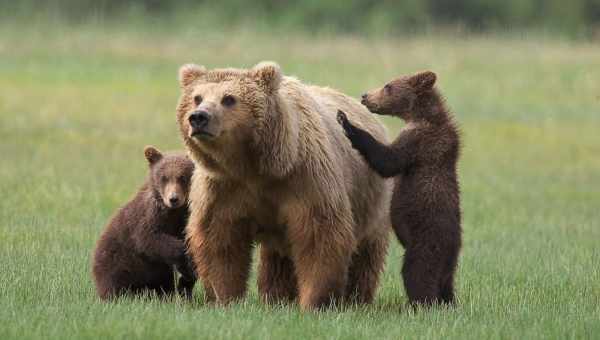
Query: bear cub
[[425, 206], [144, 241]]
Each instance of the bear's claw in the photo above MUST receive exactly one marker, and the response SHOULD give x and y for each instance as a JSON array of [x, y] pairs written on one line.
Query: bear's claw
[[345, 123], [341, 117]]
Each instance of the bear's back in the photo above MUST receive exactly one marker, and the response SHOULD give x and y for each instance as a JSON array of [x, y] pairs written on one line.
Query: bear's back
[[362, 185]]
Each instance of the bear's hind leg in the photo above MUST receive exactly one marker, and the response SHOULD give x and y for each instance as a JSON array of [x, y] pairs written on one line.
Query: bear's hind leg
[[161, 281], [276, 277], [365, 270], [421, 275], [447, 282], [116, 283], [185, 287], [447, 290]]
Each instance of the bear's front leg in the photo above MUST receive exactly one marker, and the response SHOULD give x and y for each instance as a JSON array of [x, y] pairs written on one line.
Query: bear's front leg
[[222, 253], [386, 160], [185, 287], [187, 280], [322, 245]]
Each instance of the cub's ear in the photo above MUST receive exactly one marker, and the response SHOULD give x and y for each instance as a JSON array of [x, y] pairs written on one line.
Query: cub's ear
[[268, 75], [423, 81], [190, 72], [152, 154]]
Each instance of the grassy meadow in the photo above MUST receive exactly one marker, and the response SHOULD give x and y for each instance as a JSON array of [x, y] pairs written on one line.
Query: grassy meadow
[[78, 105]]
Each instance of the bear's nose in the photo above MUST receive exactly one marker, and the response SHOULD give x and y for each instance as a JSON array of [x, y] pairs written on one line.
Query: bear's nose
[[173, 199], [199, 119], [363, 98]]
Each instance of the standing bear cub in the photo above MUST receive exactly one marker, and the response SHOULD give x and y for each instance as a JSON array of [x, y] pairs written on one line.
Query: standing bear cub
[[425, 209], [145, 239]]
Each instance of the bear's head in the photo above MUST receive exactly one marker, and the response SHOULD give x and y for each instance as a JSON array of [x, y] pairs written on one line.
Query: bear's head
[[400, 96], [170, 176], [222, 105], [230, 117]]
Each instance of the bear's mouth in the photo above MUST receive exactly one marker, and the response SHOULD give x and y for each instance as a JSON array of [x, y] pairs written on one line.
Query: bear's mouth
[[201, 134], [371, 107]]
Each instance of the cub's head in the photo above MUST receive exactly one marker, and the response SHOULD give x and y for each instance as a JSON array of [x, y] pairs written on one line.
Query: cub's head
[[170, 176], [399, 96], [222, 107]]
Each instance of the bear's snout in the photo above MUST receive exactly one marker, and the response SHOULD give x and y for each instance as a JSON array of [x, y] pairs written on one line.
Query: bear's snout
[[363, 99], [173, 200], [204, 124], [198, 121]]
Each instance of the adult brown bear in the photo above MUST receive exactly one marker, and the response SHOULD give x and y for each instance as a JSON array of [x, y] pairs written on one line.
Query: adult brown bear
[[274, 167]]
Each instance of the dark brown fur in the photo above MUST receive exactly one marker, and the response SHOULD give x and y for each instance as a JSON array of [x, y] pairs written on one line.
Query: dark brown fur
[[144, 241], [425, 208]]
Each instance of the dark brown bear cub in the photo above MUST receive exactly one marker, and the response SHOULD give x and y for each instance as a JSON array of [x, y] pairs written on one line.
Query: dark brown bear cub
[[425, 208], [144, 241]]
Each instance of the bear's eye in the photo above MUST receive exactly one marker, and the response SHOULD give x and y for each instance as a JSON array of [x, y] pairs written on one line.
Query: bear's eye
[[228, 100], [163, 179], [197, 100], [182, 179]]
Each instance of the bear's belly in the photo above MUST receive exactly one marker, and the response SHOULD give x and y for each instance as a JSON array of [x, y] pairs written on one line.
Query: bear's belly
[[273, 237], [270, 227]]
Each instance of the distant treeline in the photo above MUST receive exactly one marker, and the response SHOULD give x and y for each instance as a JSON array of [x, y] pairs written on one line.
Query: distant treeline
[[566, 16]]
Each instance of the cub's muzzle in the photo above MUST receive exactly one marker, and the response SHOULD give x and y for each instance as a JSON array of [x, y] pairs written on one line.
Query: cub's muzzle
[[363, 99]]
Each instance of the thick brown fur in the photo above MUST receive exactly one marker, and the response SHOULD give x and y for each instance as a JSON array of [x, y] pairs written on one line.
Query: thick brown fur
[[274, 167], [425, 208], [144, 240]]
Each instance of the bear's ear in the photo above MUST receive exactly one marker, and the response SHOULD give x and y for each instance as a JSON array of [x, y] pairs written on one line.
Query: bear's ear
[[268, 75], [190, 72], [423, 81], [152, 154]]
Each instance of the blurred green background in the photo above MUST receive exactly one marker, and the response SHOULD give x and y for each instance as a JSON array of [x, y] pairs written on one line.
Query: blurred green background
[[574, 18]]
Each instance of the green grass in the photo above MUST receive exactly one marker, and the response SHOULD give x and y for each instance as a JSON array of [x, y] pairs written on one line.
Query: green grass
[[78, 104]]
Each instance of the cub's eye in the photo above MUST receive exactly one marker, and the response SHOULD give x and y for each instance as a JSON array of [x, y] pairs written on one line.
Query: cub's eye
[[228, 100], [181, 179], [163, 179], [197, 100]]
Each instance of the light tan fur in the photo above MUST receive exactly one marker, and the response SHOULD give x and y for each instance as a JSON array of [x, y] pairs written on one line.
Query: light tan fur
[[280, 171]]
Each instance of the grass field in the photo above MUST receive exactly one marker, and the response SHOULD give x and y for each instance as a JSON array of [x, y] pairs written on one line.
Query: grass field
[[77, 106]]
